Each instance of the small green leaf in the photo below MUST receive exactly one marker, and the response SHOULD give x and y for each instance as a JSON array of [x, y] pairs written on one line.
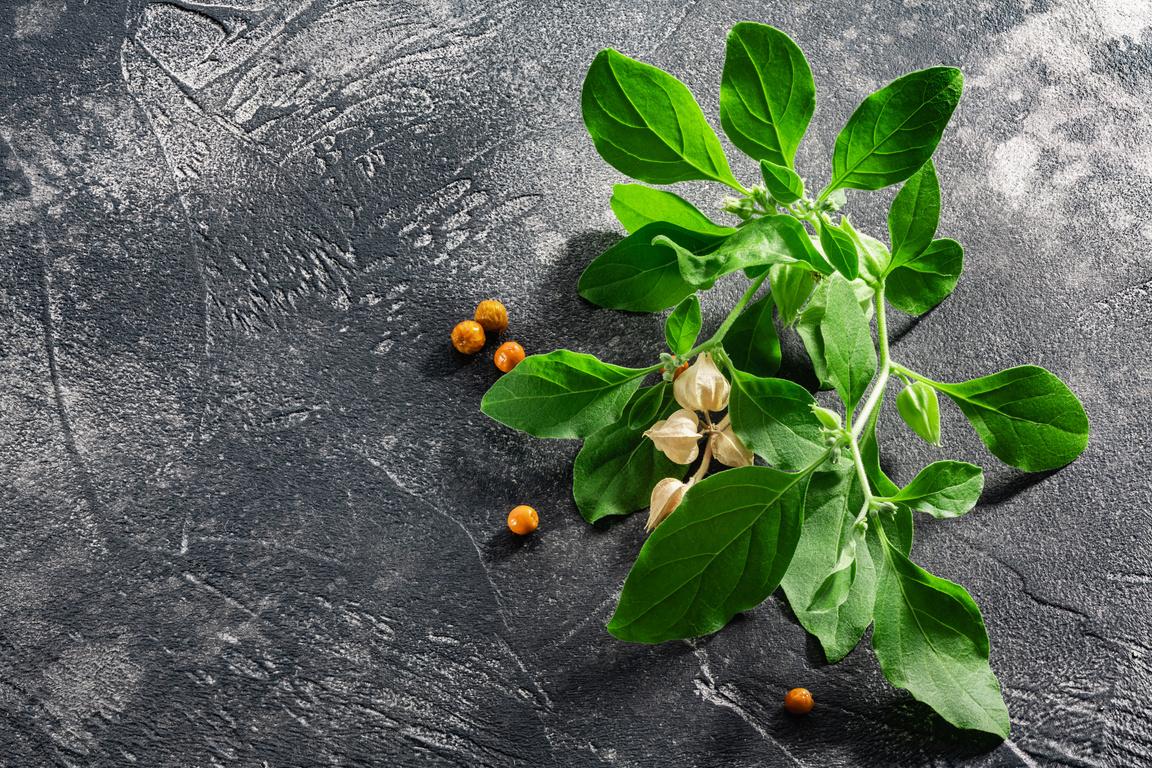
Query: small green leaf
[[944, 489], [870, 455], [648, 402], [840, 250], [831, 502], [920, 409], [751, 343], [763, 241], [647, 125], [561, 394], [925, 280], [617, 467], [683, 325], [774, 419], [874, 257], [792, 284], [895, 130], [634, 274], [839, 340], [930, 640], [782, 183], [636, 205], [767, 95], [724, 550], [1027, 417], [834, 590], [914, 215]]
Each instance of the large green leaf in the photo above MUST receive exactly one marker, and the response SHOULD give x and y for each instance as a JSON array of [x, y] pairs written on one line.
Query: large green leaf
[[763, 241], [767, 95], [561, 394], [781, 182], [914, 215], [751, 343], [637, 275], [840, 251], [617, 467], [895, 130], [944, 489], [1026, 416], [838, 338], [832, 500], [647, 125], [930, 640], [683, 325], [636, 205], [925, 280], [774, 419], [724, 550]]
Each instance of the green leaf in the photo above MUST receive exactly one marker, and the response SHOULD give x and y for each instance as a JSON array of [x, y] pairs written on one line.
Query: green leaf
[[762, 241], [724, 550], [831, 502], [792, 284], [636, 205], [782, 183], [895, 130], [834, 590], [637, 275], [920, 409], [647, 404], [870, 455], [874, 257], [1027, 417], [943, 489], [839, 340], [683, 325], [925, 280], [767, 95], [774, 419], [647, 125], [617, 467], [751, 343], [914, 215], [930, 640], [840, 251], [561, 394]]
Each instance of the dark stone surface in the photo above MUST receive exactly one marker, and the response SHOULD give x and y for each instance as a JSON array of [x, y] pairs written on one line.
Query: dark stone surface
[[252, 514]]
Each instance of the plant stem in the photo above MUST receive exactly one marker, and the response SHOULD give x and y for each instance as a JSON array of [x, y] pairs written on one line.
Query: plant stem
[[718, 337], [874, 398], [706, 461]]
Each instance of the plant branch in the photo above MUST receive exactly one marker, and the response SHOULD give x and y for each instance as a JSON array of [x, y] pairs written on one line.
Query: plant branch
[[718, 337]]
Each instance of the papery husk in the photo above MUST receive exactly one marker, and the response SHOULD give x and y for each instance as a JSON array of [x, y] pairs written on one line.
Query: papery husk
[[678, 436], [702, 387]]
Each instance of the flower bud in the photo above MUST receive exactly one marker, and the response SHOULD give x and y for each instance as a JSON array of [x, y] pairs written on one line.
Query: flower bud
[[830, 419], [742, 207], [728, 449], [666, 496], [920, 410], [702, 387], [678, 436]]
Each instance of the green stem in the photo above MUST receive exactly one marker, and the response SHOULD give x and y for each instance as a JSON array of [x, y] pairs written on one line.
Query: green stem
[[863, 474], [718, 337], [912, 374]]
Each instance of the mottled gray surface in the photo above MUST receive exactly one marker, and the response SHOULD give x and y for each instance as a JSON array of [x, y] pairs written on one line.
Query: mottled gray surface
[[251, 513]]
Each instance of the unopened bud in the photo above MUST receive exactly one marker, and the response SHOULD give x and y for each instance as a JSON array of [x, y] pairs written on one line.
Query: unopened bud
[[741, 206], [830, 419], [728, 449], [666, 496], [702, 387], [678, 436], [920, 410]]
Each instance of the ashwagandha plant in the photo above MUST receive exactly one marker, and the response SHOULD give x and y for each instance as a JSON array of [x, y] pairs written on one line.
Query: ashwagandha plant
[[822, 520]]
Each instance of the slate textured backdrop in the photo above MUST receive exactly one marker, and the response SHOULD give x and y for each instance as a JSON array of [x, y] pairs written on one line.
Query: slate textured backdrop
[[251, 514]]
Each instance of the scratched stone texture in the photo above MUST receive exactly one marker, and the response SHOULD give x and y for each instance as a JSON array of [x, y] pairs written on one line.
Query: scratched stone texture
[[251, 514]]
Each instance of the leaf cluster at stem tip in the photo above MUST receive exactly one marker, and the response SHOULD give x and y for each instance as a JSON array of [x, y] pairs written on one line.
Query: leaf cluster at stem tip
[[818, 517]]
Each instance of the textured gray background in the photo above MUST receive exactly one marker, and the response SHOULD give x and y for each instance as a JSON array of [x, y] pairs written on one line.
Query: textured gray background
[[251, 514]]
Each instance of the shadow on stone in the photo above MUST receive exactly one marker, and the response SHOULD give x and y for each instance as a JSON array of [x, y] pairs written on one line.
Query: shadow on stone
[[1014, 483]]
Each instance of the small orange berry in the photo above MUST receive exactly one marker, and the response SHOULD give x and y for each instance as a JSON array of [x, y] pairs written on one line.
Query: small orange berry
[[798, 701], [509, 356], [678, 371], [468, 337], [523, 519], [492, 315]]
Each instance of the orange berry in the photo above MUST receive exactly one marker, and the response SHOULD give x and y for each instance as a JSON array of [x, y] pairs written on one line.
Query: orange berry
[[492, 316], [523, 519], [468, 337], [678, 371], [509, 356], [798, 701]]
